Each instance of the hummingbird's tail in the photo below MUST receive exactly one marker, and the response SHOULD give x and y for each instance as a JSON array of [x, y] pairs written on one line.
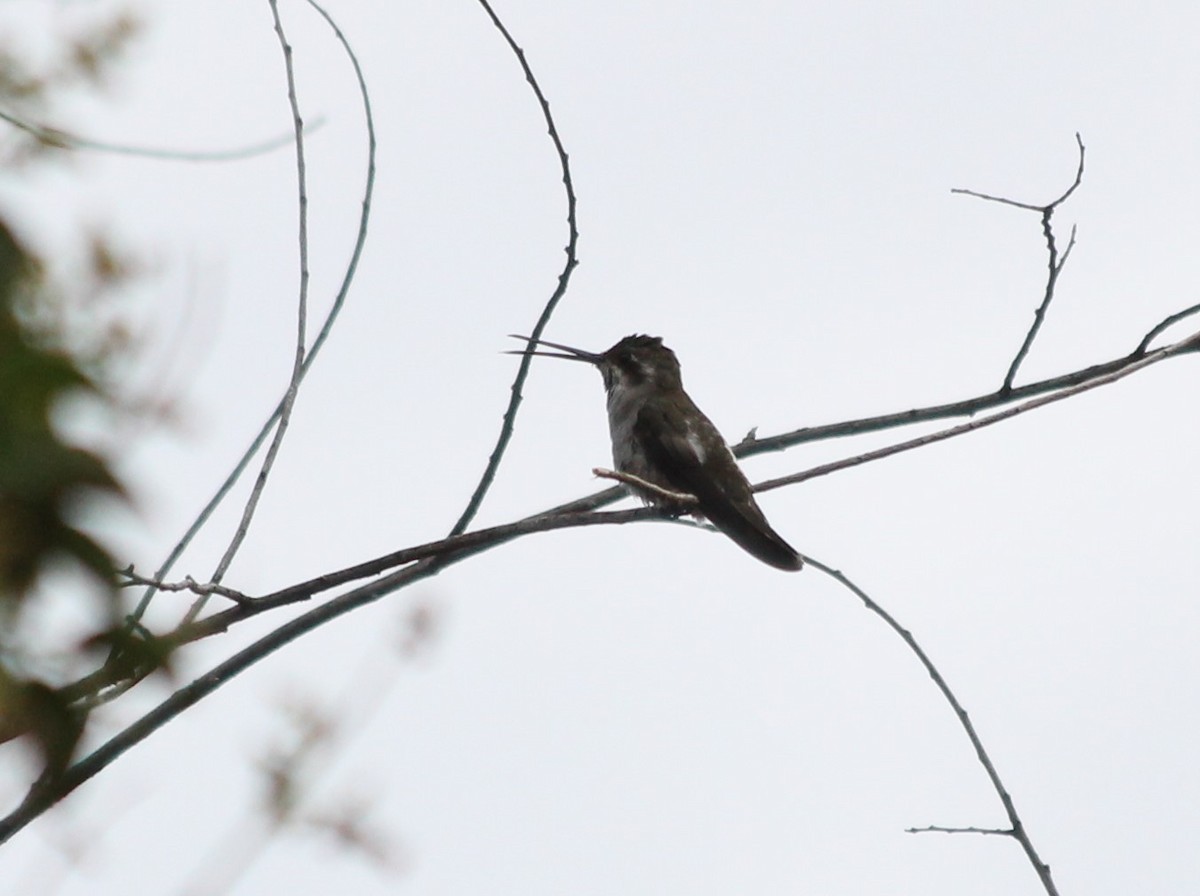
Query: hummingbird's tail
[[745, 524]]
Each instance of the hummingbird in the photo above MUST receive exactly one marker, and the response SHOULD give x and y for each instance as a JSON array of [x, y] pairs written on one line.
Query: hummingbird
[[660, 436]]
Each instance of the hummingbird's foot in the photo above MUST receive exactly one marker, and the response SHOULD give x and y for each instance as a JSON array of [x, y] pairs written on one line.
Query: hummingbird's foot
[[676, 502]]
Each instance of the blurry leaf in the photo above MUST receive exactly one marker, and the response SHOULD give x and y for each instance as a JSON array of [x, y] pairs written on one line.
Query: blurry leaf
[[43, 478], [132, 653], [351, 829], [34, 708], [93, 51]]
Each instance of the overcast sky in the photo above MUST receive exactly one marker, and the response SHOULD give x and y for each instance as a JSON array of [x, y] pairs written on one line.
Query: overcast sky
[[646, 709]]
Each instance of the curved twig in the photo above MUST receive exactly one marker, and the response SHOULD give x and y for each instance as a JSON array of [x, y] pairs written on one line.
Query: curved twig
[[1169, 321], [1056, 262], [318, 343], [61, 139], [293, 388], [514, 401], [1017, 830]]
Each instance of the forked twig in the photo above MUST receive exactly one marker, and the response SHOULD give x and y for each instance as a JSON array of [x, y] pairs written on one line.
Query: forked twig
[[1055, 261], [188, 584], [1189, 344]]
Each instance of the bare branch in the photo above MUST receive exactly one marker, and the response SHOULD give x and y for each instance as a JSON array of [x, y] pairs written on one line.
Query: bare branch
[[1025, 205], [1186, 345], [514, 401], [188, 584], [1018, 828], [963, 408], [452, 546], [1165, 323], [326, 328], [1055, 261], [289, 398], [645, 486], [42, 796], [938, 829], [57, 137]]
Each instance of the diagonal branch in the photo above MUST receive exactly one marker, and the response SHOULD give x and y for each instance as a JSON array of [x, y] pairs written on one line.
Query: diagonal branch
[[514, 401], [46, 793], [1186, 345], [1017, 830], [966, 407]]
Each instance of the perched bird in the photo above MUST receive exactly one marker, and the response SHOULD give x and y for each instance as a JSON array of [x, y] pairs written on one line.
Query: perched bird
[[660, 436]]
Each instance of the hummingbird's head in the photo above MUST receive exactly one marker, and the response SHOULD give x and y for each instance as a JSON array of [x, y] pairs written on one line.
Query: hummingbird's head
[[640, 360], [633, 362]]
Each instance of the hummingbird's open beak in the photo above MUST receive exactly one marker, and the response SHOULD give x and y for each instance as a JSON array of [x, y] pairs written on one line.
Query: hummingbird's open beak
[[574, 354]]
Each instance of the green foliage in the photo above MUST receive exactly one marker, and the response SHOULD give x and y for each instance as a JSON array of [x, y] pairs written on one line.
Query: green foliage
[[47, 358], [42, 477], [43, 480]]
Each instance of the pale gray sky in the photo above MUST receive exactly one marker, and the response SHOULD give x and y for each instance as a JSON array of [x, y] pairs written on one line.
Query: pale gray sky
[[645, 709]]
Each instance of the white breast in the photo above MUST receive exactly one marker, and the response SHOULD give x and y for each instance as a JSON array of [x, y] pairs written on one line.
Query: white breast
[[623, 405]]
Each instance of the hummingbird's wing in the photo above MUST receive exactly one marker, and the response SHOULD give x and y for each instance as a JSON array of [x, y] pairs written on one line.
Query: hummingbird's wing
[[689, 451]]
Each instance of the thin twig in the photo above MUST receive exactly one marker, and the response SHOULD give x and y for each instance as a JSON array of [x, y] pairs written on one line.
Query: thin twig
[[1018, 828], [188, 584], [326, 328], [645, 486], [1186, 345], [293, 388], [964, 408], [1166, 322], [938, 829], [1025, 205], [324, 742], [40, 798], [1056, 263], [564, 277], [472, 542], [61, 139]]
